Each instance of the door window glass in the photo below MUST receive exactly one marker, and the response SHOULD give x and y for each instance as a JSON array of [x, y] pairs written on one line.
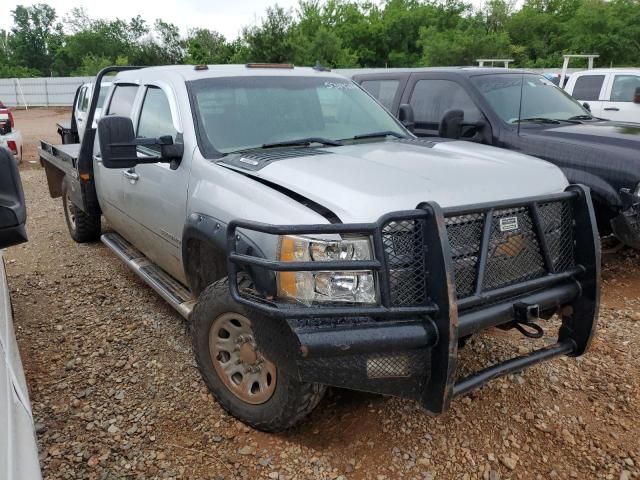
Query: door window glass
[[122, 100], [383, 90], [588, 87], [624, 88], [432, 98], [155, 116]]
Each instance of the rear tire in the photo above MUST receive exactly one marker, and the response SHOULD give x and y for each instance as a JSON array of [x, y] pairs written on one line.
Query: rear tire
[[82, 227], [283, 402]]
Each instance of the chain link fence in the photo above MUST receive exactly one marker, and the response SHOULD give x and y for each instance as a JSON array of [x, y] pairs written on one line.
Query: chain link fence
[[40, 92]]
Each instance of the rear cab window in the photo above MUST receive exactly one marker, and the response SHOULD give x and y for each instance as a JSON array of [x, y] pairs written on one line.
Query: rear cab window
[[588, 87], [431, 98], [382, 90], [122, 100]]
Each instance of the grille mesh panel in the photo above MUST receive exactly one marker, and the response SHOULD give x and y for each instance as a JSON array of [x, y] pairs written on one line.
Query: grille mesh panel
[[405, 256], [514, 255], [514, 252], [465, 236], [557, 226]]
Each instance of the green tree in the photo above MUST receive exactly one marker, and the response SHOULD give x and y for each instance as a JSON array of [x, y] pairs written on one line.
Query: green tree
[[34, 38], [207, 47]]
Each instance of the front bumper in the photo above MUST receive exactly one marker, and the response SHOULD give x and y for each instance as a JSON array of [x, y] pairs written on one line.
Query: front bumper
[[411, 350]]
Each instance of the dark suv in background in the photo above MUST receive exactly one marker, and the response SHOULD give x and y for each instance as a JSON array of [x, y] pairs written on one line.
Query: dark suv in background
[[525, 112]]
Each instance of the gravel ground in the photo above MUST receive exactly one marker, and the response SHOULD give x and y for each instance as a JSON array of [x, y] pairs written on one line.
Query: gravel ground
[[116, 393]]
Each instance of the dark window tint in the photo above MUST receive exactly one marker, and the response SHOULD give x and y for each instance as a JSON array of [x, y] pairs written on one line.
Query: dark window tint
[[155, 116], [432, 98], [588, 87], [122, 100], [383, 90], [624, 88]]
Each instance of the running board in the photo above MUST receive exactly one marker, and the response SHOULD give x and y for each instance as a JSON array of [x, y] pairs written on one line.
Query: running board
[[164, 284]]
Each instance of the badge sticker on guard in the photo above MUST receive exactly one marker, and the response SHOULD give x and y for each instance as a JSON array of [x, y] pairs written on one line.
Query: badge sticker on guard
[[508, 223]]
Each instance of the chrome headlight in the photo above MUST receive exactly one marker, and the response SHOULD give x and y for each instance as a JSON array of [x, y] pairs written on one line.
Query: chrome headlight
[[330, 286]]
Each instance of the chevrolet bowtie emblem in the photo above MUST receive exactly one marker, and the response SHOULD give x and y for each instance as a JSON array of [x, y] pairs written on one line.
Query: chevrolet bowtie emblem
[[512, 247]]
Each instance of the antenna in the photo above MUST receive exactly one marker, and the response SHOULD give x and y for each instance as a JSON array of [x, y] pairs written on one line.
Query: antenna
[[520, 105]]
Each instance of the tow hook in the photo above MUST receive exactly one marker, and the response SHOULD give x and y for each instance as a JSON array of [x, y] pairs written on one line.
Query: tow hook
[[524, 315]]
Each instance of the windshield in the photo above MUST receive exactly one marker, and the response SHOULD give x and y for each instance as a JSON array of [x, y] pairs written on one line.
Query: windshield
[[241, 113], [541, 99]]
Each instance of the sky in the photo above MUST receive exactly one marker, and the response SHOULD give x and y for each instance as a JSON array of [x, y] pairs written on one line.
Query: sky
[[225, 16]]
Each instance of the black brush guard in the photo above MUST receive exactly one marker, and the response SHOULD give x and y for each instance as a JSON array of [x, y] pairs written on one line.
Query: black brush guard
[[411, 350]]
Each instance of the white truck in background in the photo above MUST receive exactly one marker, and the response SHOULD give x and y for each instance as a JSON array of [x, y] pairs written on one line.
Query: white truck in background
[[611, 93], [73, 131]]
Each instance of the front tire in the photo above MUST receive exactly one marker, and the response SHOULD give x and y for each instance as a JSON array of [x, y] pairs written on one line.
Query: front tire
[[245, 383], [82, 227]]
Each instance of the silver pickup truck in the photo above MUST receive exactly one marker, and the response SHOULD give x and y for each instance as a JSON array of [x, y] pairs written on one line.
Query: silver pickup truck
[[311, 240]]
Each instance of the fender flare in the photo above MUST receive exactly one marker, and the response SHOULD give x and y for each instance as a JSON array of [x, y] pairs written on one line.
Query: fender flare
[[599, 187], [205, 254]]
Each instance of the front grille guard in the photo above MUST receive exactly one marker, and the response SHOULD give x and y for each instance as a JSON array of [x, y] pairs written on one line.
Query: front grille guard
[[440, 308], [436, 253]]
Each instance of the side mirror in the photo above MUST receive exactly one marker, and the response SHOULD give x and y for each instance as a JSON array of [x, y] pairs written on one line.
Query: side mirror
[[451, 124], [13, 212], [118, 145], [587, 106], [636, 95], [406, 117]]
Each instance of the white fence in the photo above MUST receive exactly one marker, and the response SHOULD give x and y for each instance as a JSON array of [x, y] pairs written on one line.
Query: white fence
[[40, 92]]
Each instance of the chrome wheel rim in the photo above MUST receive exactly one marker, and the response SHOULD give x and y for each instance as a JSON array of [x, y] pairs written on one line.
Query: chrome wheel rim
[[71, 213], [238, 362]]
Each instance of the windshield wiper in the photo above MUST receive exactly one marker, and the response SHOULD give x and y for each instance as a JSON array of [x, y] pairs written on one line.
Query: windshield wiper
[[537, 120], [582, 117], [303, 142], [386, 133]]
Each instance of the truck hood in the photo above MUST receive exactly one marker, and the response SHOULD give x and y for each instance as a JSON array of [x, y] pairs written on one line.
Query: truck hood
[[599, 134], [360, 183]]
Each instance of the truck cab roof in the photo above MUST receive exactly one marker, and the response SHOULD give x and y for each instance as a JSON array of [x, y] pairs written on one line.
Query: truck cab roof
[[198, 72]]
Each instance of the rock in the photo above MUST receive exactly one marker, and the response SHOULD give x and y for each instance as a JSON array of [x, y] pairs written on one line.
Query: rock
[[635, 316], [274, 475], [247, 450], [625, 475], [509, 460], [568, 437], [113, 429]]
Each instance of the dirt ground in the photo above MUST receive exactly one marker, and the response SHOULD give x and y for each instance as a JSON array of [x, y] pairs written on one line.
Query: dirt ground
[[116, 393]]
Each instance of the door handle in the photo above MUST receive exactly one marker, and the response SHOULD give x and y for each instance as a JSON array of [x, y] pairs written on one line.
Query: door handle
[[131, 175], [612, 109]]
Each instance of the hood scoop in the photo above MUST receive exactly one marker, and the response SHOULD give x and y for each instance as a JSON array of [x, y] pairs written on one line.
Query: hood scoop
[[423, 142], [258, 159]]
